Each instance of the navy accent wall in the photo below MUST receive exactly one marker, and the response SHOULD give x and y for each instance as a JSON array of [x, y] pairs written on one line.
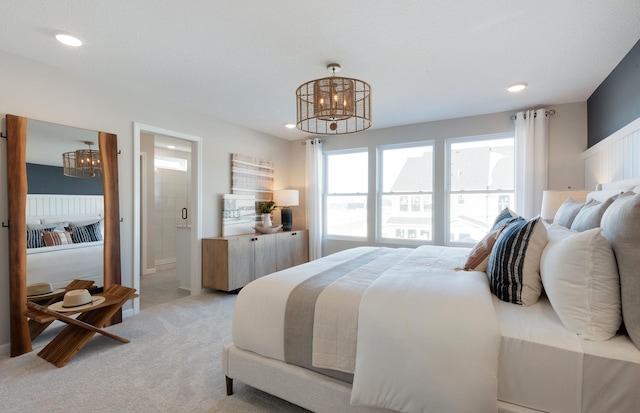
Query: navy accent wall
[[616, 102], [45, 179]]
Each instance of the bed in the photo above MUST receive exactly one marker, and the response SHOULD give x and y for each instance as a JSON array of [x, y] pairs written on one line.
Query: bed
[[65, 239], [378, 329]]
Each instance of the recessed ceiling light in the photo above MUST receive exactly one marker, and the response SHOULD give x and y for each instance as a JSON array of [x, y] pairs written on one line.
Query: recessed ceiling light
[[517, 87], [68, 39], [289, 125], [171, 146]]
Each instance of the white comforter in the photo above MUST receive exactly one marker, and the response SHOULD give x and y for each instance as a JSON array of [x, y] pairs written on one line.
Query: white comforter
[[427, 335], [428, 338]]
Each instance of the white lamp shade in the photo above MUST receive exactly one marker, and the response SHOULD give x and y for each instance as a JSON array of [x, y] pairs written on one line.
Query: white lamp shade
[[286, 197], [551, 201]]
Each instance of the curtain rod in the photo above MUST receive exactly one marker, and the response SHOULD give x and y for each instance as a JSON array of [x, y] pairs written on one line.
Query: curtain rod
[[548, 113], [303, 143]]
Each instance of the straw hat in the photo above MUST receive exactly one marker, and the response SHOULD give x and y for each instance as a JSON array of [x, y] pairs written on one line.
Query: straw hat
[[41, 290], [77, 300]]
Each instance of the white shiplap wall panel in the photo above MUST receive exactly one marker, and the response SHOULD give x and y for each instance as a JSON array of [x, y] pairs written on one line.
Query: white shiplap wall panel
[[615, 158], [39, 206]]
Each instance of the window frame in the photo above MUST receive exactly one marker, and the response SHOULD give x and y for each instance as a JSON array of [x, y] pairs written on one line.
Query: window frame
[[447, 181], [326, 194], [379, 239]]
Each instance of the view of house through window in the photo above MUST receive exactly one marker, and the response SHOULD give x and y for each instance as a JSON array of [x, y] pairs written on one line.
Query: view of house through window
[[481, 184], [405, 197], [346, 194]]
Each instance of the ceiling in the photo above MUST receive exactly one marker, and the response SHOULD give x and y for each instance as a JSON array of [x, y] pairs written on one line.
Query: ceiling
[[242, 60]]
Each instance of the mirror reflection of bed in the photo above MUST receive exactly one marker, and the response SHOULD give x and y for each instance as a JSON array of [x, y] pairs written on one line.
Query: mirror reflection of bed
[[165, 208], [59, 205]]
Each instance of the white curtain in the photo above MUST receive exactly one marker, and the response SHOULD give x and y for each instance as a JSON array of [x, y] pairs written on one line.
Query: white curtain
[[314, 196], [531, 141]]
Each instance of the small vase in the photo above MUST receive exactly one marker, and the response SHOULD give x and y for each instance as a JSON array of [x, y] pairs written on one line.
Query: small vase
[[266, 220]]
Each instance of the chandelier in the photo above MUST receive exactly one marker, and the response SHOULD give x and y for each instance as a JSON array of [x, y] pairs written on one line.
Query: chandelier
[[83, 163], [334, 105]]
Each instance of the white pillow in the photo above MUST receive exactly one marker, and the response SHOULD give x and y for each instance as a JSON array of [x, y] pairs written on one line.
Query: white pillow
[[605, 194], [580, 276], [567, 212]]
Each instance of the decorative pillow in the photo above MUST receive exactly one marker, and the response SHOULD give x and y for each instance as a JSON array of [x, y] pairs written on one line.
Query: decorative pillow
[[514, 263], [479, 255], [85, 233], [567, 212], [580, 277], [57, 225], [34, 236], [605, 194], [621, 227], [504, 217], [56, 238], [590, 215]]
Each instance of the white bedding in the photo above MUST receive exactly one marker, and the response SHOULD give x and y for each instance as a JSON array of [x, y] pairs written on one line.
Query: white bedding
[[258, 318], [335, 326], [259, 325], [541, 365], [545, 366], [61, 264], [428, 338]]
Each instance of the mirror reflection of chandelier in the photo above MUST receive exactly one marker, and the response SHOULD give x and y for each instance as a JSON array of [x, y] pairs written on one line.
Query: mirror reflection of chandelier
[[334, 105], [83, 163]]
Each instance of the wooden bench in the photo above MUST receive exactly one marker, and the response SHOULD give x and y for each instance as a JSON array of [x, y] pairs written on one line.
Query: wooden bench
[[82, 328], [36, 327]]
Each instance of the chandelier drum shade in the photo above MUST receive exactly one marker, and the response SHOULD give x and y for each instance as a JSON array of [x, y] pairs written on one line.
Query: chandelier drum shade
[[333, 105], [83, 163]]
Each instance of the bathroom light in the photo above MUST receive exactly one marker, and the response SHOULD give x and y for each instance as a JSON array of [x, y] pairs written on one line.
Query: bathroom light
[[68, 39], [517, 87]]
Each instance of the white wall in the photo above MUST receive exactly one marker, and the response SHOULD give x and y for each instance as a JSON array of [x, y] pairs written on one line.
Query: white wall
[[568, 139], [45, 93], [614, 158]]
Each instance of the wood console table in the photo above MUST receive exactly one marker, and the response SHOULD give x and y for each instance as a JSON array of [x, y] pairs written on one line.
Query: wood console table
[[229, 263]]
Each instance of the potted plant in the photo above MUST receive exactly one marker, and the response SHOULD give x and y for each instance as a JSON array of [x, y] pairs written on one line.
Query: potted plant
[[266, 208]]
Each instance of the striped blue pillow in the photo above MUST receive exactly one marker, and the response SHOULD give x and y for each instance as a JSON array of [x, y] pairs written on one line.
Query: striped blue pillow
[[34, 237], [514, 263], [85, 233], [506, 216]]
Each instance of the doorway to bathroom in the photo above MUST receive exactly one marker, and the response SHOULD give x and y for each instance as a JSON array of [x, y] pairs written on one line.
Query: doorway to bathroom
[[166, 260]]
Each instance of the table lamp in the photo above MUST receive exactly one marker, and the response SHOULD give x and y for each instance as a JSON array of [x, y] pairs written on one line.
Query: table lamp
[[552, 199], [284, 199]]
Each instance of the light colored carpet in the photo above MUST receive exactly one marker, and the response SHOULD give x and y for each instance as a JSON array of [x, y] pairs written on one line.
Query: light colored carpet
[[171, 365]]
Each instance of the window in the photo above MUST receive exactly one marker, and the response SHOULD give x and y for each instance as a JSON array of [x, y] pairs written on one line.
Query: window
[[346, 194], [480, 184], [405, 192], [169, 162]]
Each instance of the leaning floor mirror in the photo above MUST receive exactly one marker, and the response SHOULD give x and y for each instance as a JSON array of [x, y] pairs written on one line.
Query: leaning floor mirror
[[36, 153]]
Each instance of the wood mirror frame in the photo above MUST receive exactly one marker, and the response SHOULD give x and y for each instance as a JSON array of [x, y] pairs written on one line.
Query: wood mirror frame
[[20, 339]]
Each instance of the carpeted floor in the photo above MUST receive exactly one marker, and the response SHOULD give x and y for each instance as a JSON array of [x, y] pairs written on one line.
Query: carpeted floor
[[171, 365]]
